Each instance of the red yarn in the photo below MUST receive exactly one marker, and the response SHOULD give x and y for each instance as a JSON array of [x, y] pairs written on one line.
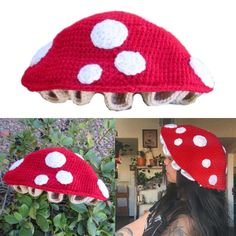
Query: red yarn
[[167, 61], [199, 153], [84, 178]]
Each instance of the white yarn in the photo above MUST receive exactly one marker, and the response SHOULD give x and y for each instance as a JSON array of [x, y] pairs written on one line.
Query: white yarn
[[109, 34], [170, 126], [224, 149], [55, 160], [175, 165], [213, 180], [79, 156], [187, 175], [200, 141], [202, 72], [16, 164], [103, 188], [64, 177], [130, 63], [161, 139], [206, 163], [41, 53], [89, 73], [178, 141], [165, 150], [41, 179], [180, 130]]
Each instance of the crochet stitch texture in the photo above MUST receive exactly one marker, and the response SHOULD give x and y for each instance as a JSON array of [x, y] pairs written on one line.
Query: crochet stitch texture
[[165, 65], [57, 170], [197, 153]]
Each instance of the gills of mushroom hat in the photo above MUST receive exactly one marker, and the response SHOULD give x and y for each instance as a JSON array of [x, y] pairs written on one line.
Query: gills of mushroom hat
[[118, 54], [59, 172], [197, 154]]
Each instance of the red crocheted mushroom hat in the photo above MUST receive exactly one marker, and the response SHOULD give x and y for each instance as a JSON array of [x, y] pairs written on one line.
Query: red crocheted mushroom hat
[[197, 153], [117, 54], [57, 171]]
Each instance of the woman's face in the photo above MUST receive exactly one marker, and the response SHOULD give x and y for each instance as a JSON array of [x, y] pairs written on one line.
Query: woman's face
[[171, 173]]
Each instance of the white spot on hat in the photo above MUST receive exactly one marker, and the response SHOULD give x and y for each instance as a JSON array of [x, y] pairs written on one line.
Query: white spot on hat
[[16, 164], [89, 73], [224, 149], [130, 63], [103, 188], [109, 34], [79, 156], [202, 72], [175, 165], [226, 170], [213, 180], [199, 140], [178, 141], [64, 177], [206, 163], [161, 139], [41, 179], [55, 160], [187, 175], [41, 53], [170, 126], [166, 151], [180, 130]]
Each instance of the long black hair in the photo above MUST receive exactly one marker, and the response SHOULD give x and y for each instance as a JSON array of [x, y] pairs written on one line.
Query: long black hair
[[206, 208]]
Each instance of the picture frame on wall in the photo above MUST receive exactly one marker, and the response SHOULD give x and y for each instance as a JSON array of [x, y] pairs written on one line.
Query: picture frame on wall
[[150, 138]]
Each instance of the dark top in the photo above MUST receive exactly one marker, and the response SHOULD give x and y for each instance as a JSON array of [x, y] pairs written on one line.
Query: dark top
[[154, 221], [158, 224]]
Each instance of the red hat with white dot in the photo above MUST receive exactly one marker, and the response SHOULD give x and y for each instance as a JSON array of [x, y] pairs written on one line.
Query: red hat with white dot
[[197, 153], [57, 171], [117, 54]]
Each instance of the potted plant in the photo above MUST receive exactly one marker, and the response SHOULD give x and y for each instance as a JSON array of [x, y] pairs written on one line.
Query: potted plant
[[158, 176], [132, 166], [153, 160], [118, 148], [141, 159], [161, 159], [142, 178]]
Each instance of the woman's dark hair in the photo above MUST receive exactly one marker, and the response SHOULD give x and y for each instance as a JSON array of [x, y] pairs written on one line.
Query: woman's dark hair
[[205, 207]]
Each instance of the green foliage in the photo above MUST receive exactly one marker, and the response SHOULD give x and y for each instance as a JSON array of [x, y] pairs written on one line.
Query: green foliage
[[141, 153], [24, 215], [142, 178]]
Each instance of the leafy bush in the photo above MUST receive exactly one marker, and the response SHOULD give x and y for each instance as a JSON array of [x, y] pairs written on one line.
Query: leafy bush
[[23, 215]]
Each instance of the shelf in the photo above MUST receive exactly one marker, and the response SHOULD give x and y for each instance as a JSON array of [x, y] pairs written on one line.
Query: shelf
[[146, 189], [147, 167], [149, 194]]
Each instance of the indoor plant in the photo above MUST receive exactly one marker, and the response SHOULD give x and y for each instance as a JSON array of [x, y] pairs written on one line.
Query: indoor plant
[[132, 166], [141, 158], [161, 159]]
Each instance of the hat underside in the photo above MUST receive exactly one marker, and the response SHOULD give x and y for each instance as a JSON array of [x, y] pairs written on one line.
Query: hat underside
[[120, 101], [54, 197]]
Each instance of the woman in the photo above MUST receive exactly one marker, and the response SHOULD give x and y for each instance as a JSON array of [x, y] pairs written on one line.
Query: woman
[[194, 203]]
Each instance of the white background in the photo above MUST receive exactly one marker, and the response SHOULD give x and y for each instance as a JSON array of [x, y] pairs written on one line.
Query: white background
[[205, 27]]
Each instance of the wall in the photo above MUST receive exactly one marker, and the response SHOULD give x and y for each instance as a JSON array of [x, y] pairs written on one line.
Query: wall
[[128, 128], [126, 178], [220, 127], [132, 128]]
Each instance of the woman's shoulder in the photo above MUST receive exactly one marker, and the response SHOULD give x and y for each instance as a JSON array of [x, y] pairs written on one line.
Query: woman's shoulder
[[182, 226]]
